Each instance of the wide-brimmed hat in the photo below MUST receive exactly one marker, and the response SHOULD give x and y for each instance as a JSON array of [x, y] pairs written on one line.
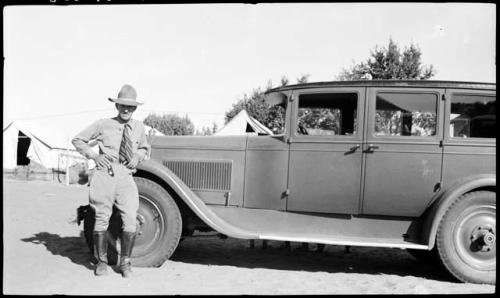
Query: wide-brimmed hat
[[127, 96]]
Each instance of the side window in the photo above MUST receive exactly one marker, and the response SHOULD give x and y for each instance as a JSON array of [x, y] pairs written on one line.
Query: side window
[[473, 116], [327, 114], [406, 114]]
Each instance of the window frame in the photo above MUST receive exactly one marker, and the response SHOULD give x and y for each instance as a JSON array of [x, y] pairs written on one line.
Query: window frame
[[458, 140], [360, 94], [373, 92]]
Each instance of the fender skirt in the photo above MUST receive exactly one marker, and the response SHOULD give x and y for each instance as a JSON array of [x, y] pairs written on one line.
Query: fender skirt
[[194, 202]]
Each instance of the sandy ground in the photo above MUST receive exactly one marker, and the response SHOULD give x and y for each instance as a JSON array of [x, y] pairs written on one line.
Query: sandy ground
[[44, 253]]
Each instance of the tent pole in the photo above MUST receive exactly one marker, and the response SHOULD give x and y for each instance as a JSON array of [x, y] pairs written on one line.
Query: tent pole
[[67, 161]]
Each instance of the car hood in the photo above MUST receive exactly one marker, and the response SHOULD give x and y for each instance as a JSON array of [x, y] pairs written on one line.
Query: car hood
[[200, 142]]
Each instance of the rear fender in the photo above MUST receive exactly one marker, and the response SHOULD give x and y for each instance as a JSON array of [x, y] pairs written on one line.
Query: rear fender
[[193, 201], [438, 208]]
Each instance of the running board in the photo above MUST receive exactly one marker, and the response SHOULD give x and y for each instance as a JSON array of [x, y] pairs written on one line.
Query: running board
[[335, 229]]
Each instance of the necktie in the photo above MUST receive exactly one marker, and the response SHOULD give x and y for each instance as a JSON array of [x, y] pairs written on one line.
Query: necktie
[[126, 145]]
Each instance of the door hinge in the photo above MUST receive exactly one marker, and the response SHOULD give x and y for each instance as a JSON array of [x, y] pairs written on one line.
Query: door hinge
[[289, 140], [443, 97], [440, 143]]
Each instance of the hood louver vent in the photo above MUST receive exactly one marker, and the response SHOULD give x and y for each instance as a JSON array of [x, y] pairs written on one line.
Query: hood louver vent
[[202, 175]]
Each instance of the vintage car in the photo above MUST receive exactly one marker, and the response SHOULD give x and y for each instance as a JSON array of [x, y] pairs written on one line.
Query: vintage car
[[397, 164]]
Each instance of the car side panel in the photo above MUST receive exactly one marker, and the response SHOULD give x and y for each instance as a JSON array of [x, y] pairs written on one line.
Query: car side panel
[[266, 172], [195, 154]]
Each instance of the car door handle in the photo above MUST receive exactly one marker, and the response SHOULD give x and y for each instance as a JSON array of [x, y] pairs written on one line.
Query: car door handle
[[352, 149], [371, 149]]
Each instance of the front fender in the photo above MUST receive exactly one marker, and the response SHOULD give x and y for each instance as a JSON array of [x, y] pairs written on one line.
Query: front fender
[[193, 201], [438, 208]]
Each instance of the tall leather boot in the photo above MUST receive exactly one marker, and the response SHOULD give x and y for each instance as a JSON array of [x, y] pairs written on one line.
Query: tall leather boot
[[127, 244], [100, 252]]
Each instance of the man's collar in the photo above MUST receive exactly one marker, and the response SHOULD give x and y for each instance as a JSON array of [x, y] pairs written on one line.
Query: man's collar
[[120, 120]]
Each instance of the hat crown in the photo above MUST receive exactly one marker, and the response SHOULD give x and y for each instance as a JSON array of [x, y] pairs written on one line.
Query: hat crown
[[127, 96], [127, 92]]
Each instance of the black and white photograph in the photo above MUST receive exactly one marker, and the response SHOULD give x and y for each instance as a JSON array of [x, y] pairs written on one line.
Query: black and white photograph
[[152, 148]]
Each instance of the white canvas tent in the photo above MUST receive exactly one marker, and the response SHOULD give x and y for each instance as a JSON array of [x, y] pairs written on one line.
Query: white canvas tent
[[153, 131], [242, 124], [46, 146]]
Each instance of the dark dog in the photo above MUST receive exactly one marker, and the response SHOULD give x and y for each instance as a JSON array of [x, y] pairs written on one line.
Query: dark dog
[[86, 214]]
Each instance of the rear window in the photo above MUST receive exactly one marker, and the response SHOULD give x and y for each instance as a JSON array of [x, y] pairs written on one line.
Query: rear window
[[473, 116]]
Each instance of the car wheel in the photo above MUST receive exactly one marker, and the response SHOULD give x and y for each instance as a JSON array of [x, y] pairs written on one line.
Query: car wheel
[[466, 238], [159, 225]]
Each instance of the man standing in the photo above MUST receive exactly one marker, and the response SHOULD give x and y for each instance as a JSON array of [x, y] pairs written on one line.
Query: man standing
[[122, 146]]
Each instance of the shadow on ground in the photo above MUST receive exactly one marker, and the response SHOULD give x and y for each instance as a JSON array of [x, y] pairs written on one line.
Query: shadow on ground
[[334, 259], [236, 252], [73, 248]]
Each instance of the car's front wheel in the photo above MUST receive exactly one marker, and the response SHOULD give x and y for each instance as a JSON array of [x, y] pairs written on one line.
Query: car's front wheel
[[159, 225], [466, 237]]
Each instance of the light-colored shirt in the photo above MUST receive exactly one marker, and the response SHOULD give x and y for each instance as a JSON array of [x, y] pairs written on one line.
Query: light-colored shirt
[[108, 134]]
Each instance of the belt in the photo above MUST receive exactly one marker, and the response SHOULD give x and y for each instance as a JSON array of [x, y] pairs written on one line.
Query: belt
[[111, 171], [116, 161]]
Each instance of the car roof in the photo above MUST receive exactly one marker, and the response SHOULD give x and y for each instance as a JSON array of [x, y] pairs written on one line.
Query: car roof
[[390, 83]]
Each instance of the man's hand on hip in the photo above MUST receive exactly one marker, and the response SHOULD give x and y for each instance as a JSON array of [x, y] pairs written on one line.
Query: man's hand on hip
[[132, 164], [103, 160]]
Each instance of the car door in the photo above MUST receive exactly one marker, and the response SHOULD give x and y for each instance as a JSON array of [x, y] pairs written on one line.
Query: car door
[[325, 150], [470, 134], [403, 152]]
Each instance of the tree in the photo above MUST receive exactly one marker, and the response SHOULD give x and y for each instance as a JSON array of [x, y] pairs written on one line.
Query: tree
[[206, 130], [284, 81], [215, 127], [170, 124], [272, 117], [303, 79], [390, 63]]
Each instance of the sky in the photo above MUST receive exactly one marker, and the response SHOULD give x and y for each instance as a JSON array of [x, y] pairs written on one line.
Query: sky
[[63, 62]]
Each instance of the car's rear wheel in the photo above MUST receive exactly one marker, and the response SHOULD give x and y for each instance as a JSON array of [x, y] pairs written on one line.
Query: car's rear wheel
[[159, 227], [466, 238]]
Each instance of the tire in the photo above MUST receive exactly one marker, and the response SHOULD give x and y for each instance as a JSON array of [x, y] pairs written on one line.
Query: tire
[[466, 238], [159, 227]]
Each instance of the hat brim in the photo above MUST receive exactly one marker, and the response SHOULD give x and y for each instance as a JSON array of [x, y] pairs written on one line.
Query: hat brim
[[127, 102]]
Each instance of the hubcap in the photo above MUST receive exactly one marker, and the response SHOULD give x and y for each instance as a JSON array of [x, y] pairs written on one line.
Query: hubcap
[[489, 239], [150, 224], [474, 237]]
